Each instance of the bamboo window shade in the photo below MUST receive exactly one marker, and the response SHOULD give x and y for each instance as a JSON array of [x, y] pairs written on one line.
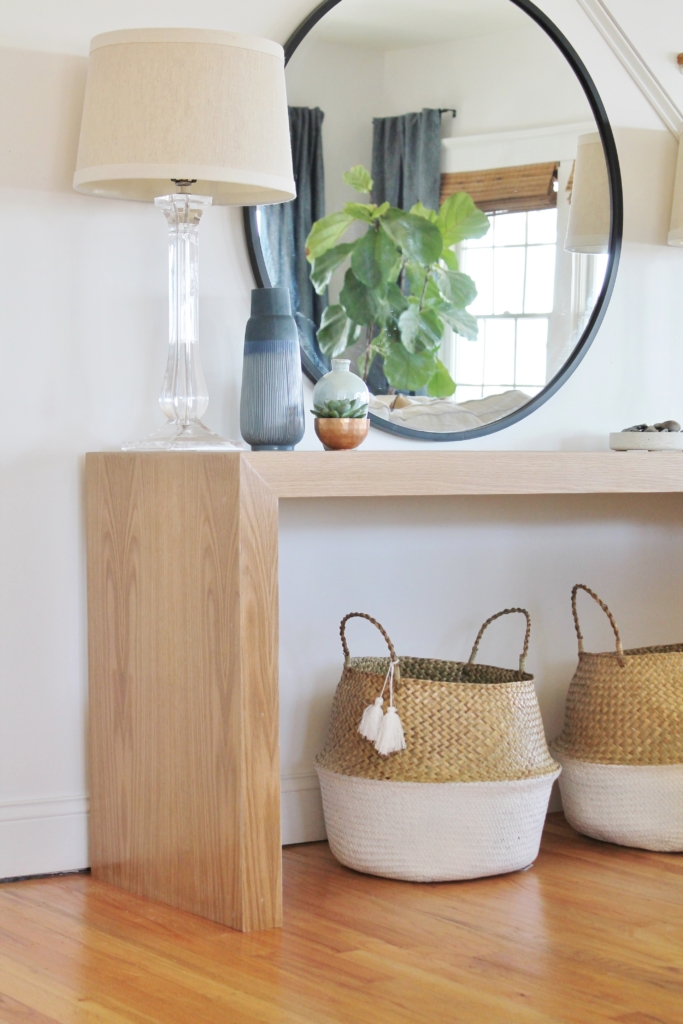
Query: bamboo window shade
[[506, 189]]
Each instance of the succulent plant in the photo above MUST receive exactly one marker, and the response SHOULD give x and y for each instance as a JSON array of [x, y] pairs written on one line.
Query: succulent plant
[[341, 408]]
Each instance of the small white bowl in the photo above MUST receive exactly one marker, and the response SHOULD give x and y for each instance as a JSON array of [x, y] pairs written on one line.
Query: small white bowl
[[646, 441]]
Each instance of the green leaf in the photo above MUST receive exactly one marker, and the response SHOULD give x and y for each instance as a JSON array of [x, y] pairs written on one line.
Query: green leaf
[[362, 304], [407, 371], [450, 259], [324, 266], [431, 329], [396, 299], [409, 326], [419, 210], [361, 211], [359, 178], [456, 288], [336, 332], [416, 278], [459, 218], [417, 238], [460, 320], [441, 384], [373, 258], [382, 209], [325, 233]]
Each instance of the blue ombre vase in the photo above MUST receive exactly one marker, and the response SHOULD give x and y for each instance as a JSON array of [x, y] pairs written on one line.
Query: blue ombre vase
[[272, 403]]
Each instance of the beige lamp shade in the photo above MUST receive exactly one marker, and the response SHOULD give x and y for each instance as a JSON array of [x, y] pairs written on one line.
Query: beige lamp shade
[[590, 212], [676, 228], [185, 104]]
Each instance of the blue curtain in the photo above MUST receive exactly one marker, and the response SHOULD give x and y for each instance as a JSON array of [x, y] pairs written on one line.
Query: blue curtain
[[406, 159], [287, 225]]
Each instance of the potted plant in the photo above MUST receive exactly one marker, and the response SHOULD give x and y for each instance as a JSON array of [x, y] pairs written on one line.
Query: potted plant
[[340, 407], [402, 287]]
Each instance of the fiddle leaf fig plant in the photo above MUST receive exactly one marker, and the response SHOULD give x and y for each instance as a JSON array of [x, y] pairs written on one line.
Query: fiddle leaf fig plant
[[402, 285]]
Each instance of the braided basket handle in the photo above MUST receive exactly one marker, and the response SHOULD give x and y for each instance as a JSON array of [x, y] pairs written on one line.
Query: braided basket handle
[[507, 611], [364, 615], [582, 586]]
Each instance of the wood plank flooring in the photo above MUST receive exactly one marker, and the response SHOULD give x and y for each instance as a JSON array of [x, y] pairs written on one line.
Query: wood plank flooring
[[592, 934]]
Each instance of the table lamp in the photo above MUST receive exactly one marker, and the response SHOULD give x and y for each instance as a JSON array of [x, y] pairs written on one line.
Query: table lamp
[[184, 118], [590, 211], [676, 228]]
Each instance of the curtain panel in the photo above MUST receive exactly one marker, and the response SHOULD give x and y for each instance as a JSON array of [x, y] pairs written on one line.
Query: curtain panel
[[406, 153]]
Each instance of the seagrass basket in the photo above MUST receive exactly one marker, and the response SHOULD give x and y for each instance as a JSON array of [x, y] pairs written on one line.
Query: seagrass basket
[[621, 748], [468, 793]]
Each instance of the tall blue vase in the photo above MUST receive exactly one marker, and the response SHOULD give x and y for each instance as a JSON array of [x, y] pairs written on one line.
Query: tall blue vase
[[272, 403]]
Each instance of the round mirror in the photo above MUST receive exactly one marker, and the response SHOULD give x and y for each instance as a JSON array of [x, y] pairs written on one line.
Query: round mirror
[[457, 225]]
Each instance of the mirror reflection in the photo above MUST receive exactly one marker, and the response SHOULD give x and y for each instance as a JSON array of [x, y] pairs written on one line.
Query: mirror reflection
[[450, 233]]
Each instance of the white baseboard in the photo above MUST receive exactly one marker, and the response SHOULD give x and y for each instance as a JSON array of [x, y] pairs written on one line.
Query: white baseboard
[[45, 836], [41, 837], [302, 809]]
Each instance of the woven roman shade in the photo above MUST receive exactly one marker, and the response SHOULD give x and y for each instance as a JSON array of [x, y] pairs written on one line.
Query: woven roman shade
[[506, 189]]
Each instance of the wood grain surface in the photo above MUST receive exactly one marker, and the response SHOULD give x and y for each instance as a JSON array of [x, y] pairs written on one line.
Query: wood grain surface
[[592, 934], [183, 645], [182, 597], [385, 474]]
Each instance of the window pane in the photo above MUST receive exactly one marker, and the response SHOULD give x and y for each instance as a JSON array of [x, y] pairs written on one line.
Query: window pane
[[478, 263], [508, 278], [499, 356], [466, 393], [510, 229], [540, 279], [470, 358], [532, 339], [542, 227]]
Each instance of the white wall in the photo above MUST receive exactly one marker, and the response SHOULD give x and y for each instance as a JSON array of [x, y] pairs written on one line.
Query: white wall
[[500, 81], [82, 330], [345, 82]]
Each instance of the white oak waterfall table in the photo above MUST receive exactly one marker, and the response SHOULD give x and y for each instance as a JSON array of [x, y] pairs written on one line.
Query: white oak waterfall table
[[183, 645]]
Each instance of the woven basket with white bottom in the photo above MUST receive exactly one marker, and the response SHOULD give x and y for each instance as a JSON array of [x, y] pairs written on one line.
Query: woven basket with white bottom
[[633, 805], [621, 748], [434, 831], [464, 793]]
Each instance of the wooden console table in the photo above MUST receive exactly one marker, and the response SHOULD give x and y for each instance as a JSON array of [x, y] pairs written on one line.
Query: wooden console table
[[183, 646]]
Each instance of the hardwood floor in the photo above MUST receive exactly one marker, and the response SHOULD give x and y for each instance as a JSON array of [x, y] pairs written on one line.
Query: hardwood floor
[[593, 933]]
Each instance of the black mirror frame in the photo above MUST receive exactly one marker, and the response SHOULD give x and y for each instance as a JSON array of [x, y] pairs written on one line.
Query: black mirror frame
[[616, 229]]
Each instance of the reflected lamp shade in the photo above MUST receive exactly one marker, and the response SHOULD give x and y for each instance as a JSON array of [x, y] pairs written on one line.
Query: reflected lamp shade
[[590, 212], [676, 228], [185, 104]]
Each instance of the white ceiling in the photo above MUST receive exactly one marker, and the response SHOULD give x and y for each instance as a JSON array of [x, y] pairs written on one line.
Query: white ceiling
[[394, 24]]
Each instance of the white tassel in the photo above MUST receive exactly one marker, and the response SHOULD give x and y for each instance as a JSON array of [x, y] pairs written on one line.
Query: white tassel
[[371, 721], [391, 738]]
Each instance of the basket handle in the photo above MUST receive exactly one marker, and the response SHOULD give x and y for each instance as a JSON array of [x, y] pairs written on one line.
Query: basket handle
[[364, 615], [582, 586], [527, 634]]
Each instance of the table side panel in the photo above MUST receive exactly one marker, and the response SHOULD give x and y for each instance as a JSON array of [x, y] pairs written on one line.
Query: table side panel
[[165, 679], [260, 772]]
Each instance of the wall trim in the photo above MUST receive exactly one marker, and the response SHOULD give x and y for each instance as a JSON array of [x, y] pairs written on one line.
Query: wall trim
[[43, 807], [650, 86], [298, 781]]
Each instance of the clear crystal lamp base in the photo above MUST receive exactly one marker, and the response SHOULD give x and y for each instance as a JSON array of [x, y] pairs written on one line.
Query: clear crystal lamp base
[[184, 397]]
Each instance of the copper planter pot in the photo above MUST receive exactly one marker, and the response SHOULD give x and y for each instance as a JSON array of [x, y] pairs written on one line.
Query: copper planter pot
[[341, 434]]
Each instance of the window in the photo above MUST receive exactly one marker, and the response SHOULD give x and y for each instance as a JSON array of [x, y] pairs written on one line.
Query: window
[[513, 267]]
